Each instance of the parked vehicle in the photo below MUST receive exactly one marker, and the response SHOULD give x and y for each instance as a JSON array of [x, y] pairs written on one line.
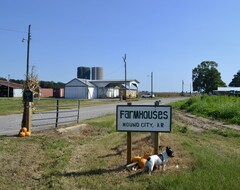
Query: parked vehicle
[[148, 96]]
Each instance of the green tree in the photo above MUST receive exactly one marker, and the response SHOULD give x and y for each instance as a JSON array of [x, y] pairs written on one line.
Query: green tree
[[236, 80], [51, 84], [2, 78], [206, 77]]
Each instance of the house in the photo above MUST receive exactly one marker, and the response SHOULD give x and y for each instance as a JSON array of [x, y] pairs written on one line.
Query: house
[[10, 89], [92, 89]]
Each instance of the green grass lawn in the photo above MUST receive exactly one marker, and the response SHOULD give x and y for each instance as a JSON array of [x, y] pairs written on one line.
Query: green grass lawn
[[15, 106], [94, 158]]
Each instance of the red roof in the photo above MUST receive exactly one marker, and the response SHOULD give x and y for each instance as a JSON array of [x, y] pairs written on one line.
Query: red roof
[[11, 84]]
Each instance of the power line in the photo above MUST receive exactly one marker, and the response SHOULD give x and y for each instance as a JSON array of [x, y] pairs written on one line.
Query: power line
[[118, 70], [10, 30]]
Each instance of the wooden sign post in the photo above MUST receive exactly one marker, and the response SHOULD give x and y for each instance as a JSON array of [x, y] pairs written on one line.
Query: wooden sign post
[[129, 147], [129, 143], [28, 99], [143, 118], [156, 136], [156, 143]]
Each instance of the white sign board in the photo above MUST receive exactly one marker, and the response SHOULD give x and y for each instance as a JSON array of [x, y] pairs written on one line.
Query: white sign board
[[145, 118]]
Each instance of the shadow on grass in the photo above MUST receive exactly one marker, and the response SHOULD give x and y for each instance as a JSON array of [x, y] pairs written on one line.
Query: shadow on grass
[[9, 136], [91, 172], [137, 174], [117, 150]]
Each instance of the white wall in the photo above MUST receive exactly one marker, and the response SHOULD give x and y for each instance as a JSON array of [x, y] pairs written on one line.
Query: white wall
[[17, 92], [76, 92], [112, 92], [80, 92], [92, 93]]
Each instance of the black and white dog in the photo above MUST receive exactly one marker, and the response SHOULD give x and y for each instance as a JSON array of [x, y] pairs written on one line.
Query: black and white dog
[[158, 160]]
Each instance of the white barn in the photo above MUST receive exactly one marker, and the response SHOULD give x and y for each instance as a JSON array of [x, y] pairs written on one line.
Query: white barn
[[79, 89], [92, 89]]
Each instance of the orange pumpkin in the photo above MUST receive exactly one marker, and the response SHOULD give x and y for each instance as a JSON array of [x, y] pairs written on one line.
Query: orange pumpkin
[[136, 158], [141, 163], [24, 129], [27, 133], [146, 155], [21, 134]]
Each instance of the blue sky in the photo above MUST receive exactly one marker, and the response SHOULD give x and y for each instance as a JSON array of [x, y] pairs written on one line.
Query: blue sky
[[168, 38]]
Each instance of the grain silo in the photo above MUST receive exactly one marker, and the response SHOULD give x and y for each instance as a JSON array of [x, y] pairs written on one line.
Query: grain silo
[[83, 72], [97, 73]]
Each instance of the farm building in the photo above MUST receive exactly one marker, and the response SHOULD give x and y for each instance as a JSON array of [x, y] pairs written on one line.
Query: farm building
[[79, 89], [91, 89], [50, 93], [227, 91], [10, 89]]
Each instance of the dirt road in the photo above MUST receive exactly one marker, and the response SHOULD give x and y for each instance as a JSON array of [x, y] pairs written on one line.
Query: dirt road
[[199, 123]]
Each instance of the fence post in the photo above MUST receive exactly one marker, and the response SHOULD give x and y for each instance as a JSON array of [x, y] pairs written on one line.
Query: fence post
[[78, 111], [57, 112]]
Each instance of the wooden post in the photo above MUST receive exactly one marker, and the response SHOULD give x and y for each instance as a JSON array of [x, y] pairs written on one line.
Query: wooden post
[[156, 136], [156, 143], [28, 116], [57, 113], [129, 143], [129, 147], [78, 111]]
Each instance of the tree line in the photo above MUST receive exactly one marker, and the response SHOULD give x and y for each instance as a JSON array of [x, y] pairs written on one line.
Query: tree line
[[207, 78], [42, 84]]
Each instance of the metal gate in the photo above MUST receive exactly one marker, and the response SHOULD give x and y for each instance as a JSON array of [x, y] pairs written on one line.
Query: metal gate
[[58, 114]]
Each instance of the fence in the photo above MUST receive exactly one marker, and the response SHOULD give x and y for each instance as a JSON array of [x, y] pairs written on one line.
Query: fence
[[58, 113]]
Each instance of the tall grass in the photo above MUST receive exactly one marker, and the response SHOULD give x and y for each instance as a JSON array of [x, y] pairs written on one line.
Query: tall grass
[[225, 108]]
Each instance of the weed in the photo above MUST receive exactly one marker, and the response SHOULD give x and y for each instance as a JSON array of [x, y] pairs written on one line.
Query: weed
[[179, 127], [226, 132]]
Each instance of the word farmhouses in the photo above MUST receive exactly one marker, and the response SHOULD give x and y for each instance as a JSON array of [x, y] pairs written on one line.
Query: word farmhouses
[[144, 118]]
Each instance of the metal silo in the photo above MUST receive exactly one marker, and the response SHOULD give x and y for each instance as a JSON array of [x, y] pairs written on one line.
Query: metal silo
[[83, 72], [97, 73]]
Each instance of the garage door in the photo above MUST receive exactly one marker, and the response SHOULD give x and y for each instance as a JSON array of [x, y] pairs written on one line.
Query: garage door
[[76, 92]]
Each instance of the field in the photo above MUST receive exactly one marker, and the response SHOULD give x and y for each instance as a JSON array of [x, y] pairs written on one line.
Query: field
[[93, 156], [15, 106]]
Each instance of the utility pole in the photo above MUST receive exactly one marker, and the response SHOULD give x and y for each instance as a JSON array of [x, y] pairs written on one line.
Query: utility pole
[[151, 83], [125, 66], [8, 84], [28, 49], [190, 89], [182, 87], [27, 94]]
